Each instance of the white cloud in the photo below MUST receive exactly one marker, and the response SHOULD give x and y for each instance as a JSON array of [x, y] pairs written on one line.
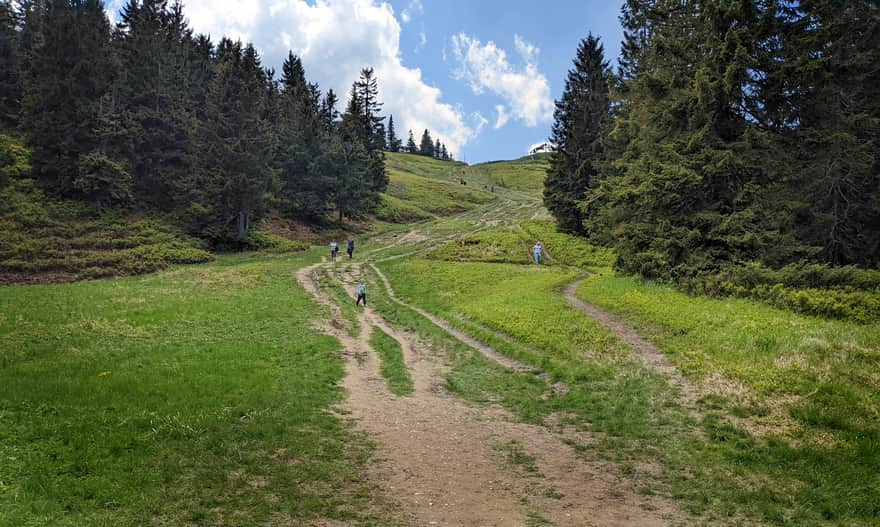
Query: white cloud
[[335, 39], [486, 68], [480, 121], [414, 7], [502, 116]]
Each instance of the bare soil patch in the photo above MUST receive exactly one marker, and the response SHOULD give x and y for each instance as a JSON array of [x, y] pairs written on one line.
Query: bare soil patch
[[446, 462]]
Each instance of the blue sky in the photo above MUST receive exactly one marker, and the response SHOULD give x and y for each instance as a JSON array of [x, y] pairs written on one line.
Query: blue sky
[[481, 75]]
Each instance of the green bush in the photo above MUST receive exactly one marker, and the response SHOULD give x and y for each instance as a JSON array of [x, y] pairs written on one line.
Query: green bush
[[103, 181], [14, 160], [814, 289], [40, 235], [265, 241]]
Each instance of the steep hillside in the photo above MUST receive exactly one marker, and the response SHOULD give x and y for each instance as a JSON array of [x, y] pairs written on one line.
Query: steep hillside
[[45, 240], [523, 174], [421, 188]]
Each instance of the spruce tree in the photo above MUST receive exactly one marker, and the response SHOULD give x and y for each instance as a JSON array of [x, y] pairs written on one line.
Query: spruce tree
[[835, 148], [10, 86], [581, 120], [411, 147], [237, 144], [394, 142], [155, 47], [70, 68], [301, 129], [426, 146], [437, 148], [328, 112], [366, 89]]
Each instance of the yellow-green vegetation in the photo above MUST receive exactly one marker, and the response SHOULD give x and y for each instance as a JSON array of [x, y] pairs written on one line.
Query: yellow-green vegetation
[[503, 244], [46, 239], [195, 396], [414, 197], [818, 468], [395, 210], [566, 249], [845, 292], [393, 367], [514, 245], [14, 160], [422, 165], [830, 367], [524, 174]]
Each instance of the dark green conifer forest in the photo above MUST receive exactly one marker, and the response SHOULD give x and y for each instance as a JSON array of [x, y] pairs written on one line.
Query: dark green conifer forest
[[736, 137], [148, 116]]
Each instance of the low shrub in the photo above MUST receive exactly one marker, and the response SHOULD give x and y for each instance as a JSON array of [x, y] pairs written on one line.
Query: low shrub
[[39, 235], [257, 240], [846, 292]]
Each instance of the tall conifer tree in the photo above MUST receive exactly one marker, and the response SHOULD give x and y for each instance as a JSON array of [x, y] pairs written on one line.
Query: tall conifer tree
[[581, 120], [71, 67]]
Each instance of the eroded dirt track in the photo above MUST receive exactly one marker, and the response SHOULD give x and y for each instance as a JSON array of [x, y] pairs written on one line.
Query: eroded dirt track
[[443, 461]]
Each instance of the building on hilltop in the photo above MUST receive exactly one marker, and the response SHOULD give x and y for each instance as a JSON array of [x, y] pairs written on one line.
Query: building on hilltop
[[542, 148]]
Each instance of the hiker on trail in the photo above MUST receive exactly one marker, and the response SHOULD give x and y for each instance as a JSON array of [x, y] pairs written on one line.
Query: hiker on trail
[[361, 291], [539, 250], [334, 250], [350, 248]]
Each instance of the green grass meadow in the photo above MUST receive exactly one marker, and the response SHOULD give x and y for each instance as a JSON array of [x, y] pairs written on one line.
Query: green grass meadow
[[195, 396], [824, 472]]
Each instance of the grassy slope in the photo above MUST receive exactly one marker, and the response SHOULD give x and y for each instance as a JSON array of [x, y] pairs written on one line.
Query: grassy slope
[[524, 174], [513, 244], [41, 236], [421, 188], [825, 471], [198, 395], [832, 367]]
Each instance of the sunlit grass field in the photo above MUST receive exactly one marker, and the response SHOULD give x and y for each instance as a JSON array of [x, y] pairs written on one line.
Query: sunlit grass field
[[818, 466], [199, 395], [524, 174]]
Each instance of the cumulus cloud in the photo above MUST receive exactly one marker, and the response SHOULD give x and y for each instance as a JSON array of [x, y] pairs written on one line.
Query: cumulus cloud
[[486, 67], [335, 39]]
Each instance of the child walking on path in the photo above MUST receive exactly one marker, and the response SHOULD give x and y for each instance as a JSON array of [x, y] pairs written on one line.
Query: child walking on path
[[334, 250], [539, 250], [361, 291], [350, 248]]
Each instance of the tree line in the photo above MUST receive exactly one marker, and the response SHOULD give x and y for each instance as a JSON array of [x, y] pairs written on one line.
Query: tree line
[[731, 132], [150, 115], [427, 147]]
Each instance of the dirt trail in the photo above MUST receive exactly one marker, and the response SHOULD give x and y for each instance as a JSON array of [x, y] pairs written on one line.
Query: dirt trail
[[649, 353], [501, 359], [446, 462]]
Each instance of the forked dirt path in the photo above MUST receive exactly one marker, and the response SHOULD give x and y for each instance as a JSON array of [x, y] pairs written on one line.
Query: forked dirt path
[[645, 349], [500, 358], [446, 462]]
